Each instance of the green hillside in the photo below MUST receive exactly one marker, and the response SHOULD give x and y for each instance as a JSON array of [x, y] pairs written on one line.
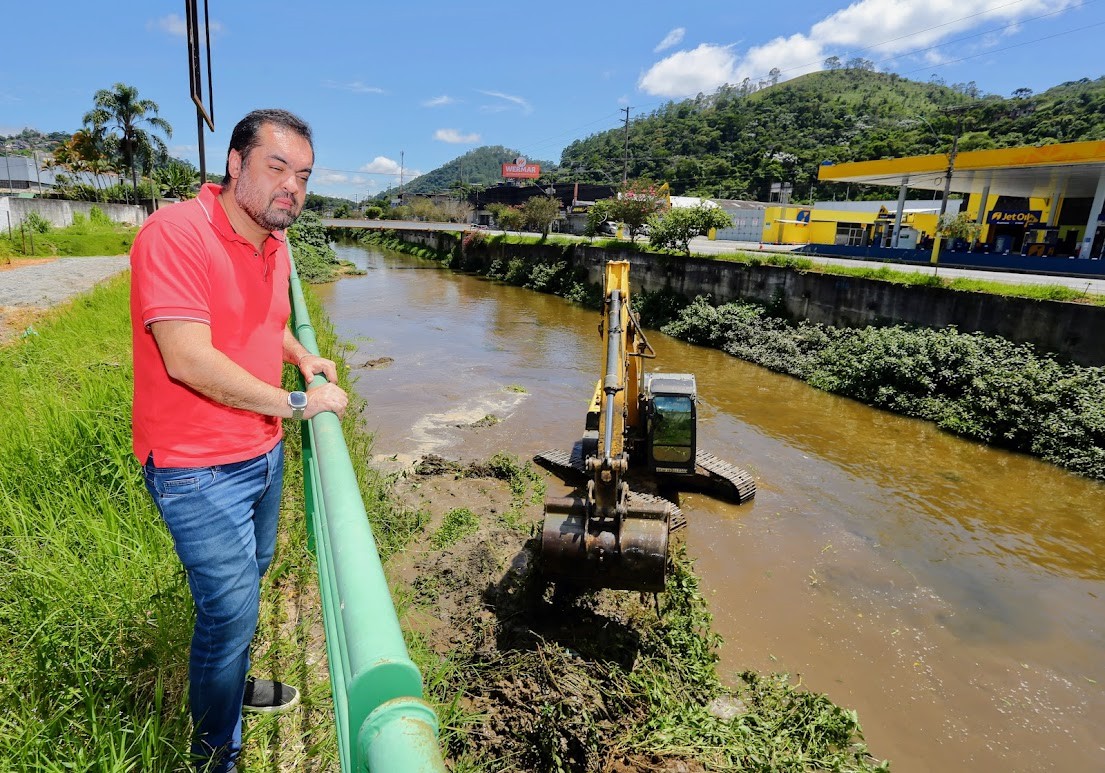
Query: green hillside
[[481, 166], [736, 142]]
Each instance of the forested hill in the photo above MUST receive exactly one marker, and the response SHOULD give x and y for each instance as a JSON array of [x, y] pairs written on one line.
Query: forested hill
[[482, 166], [736, 142]]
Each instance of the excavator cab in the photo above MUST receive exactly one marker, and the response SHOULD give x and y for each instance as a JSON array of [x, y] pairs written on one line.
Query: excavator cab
[[670, 420]]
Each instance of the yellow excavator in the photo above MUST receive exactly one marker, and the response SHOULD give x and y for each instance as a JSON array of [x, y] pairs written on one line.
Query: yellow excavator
[[640, 426]]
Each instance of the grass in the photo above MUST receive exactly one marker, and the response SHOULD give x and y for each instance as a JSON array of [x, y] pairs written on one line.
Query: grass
[[83, 238], [458, 524], [93, 604], [918, 278]]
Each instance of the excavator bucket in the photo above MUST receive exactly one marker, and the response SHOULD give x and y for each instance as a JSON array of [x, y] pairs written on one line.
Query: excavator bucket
[[625, 552]]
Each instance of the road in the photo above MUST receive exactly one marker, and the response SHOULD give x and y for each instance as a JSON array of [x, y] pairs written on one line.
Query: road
[[704, 246]]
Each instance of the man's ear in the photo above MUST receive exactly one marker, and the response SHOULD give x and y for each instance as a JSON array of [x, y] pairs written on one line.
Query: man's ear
[[234, 164]]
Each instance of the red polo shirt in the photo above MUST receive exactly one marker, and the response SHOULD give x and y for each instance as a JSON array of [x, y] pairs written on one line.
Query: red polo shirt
[[188, 263]]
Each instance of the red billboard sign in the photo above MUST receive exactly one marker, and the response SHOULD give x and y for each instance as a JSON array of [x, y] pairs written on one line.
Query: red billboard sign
[[519, 169]]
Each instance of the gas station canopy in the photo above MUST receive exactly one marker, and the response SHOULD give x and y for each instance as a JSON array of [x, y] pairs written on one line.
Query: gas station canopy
[[1074, 170]]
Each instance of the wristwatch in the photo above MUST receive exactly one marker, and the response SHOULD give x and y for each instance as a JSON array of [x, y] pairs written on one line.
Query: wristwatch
[[298, 402]]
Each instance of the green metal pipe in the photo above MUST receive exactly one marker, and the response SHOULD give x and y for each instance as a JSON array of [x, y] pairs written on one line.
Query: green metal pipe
[[383, 724]]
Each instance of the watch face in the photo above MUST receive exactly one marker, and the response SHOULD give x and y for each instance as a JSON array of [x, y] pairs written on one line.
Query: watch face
[[297, 400]]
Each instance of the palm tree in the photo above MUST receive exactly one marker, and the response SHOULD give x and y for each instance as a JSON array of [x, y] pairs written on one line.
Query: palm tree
[[177, 180], [120, 110]]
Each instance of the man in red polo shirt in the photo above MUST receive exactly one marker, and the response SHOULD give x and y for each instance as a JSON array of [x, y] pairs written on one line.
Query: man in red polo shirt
[[209, 313]]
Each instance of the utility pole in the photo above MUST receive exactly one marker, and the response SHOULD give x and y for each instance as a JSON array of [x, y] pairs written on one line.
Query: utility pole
[[951, 161], [625, 160], [401, 178]]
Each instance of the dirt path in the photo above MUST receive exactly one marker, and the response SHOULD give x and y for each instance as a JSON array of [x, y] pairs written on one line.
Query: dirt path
[[30, 287]]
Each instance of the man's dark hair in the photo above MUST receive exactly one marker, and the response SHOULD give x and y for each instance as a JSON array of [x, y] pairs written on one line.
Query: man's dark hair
[[244, 137]]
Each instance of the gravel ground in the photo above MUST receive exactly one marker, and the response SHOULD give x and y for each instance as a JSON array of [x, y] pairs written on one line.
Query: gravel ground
[[32, 287]]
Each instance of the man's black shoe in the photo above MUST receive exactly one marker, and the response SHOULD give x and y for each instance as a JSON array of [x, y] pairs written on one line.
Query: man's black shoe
[[264, 696]]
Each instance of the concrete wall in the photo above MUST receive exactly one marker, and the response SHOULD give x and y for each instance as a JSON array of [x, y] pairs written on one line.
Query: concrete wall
[[1072, 330], [60, 211]]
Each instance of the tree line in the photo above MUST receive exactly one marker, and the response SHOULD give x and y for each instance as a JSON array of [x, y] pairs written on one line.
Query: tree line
[[738, 141]]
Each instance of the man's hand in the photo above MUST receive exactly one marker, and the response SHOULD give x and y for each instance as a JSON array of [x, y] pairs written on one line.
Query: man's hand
[[325, 397], [310, 364]]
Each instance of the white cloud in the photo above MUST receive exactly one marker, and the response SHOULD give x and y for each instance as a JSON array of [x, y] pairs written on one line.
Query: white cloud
[[384, 167], [673, 38], [883, 31], [689, 72], [444, 99], [381, 165], [330, 178], [455, 137], [177, 26], [518, 102], [357, 87]]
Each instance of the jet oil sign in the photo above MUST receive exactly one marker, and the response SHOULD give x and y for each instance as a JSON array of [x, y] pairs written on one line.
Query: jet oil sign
[[520, 170], [1014, 217]]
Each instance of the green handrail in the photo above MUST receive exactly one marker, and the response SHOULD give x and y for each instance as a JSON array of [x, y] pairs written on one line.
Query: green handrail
[[384, 725]]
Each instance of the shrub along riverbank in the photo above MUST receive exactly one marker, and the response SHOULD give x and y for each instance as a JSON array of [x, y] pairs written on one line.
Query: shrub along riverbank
[[981, 387], [95, 610]]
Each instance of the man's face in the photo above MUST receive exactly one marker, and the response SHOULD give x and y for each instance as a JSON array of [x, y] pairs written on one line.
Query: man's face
[[271, 185]]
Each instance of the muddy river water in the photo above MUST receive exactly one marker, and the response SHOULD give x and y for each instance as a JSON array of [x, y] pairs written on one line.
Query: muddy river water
[[954, 595]]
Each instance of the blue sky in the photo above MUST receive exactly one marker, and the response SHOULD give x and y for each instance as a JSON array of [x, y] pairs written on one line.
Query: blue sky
[[431, 80]]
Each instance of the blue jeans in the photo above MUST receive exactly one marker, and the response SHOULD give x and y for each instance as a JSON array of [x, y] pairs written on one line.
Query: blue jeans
[[223, 523]]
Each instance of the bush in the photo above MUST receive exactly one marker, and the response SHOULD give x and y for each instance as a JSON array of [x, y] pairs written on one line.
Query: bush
[[978, 386], [315, 261], [676, 228], [36, 223], [99, 217], [546, 277]]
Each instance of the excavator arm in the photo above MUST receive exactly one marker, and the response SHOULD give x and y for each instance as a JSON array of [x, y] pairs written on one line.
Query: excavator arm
[[603, 539]]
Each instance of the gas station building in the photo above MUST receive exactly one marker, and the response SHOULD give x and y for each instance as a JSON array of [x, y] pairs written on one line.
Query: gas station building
[[1040, 201]]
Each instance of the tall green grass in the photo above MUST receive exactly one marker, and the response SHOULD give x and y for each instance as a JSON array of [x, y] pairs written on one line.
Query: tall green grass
[[87, 236], [95, 612], [94, 609]]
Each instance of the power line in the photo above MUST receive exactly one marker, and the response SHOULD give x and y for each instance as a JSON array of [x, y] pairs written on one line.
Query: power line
[[1010, 47]]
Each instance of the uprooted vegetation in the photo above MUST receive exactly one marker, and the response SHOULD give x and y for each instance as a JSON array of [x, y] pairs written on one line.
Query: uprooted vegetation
[[531, 678]]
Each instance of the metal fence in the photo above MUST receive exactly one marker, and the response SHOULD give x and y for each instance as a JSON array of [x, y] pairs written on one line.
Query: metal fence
[[383, 724]]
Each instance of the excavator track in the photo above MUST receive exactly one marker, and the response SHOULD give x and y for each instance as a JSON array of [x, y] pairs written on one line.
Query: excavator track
[[570, 463], [732, 482], [713, 475], [566, 463], [678, 519]]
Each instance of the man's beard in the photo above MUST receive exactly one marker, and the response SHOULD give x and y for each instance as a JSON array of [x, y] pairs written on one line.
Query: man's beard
[[271, 218]]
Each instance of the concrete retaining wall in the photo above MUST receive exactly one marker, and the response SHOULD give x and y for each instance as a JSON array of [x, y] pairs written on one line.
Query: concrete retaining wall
[[59, 212], [1071, 330]]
